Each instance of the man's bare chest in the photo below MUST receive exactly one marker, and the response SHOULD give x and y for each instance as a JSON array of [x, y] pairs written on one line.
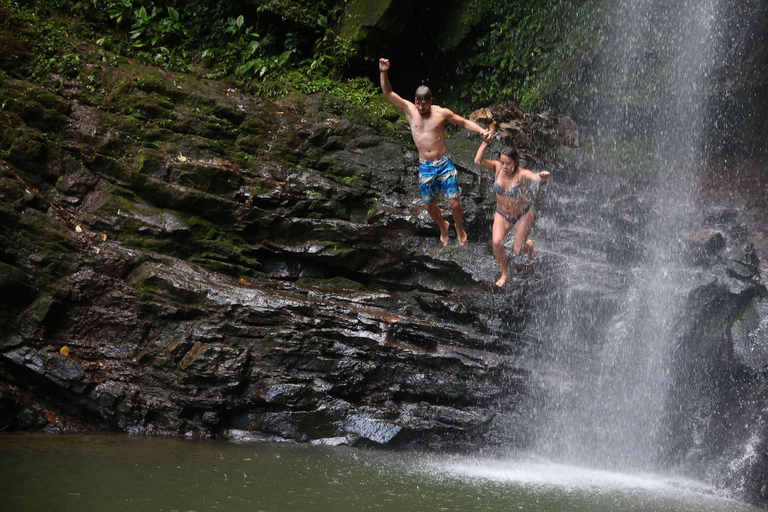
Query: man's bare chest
[[427, 127]]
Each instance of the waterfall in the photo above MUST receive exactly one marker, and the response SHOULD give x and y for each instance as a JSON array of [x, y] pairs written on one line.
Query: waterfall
[[605, 378]]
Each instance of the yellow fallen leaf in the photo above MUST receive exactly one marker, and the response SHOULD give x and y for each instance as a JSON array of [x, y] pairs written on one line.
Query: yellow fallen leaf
[[78, 229], [64, 351], [103, 237]]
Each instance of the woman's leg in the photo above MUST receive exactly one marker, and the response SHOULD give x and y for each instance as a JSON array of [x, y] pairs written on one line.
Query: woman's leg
[[522, 244], [501, 227]]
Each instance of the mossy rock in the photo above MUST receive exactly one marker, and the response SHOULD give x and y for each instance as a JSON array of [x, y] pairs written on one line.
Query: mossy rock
[[228, 112], [37, 244], [251, 144], [113, 168], [151, 162], [152, 81], [154, 106], [10, 192], [360, 15], [212, 179], [187, 199], [258, 123], [154, 135], [35, 106], [14, 41], [25, 148], [203, 125]]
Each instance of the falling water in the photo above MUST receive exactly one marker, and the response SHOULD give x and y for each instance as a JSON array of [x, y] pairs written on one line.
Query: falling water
[[606, 376]]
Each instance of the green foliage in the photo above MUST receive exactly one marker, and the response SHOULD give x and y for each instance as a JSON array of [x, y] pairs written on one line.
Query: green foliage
[[527, 51], [300, 12], [358, 91], [47, 39], [518, 51]]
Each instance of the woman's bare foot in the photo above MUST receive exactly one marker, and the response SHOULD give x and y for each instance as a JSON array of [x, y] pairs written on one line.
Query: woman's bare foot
[[529, 250], [502, 280], [461, 235], [444, 232]]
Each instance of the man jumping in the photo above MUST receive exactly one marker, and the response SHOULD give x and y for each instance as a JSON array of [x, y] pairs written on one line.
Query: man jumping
[[436, 170]]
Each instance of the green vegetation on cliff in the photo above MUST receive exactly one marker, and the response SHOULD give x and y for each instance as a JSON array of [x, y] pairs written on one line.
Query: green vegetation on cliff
[[525, 51], [503, 51]]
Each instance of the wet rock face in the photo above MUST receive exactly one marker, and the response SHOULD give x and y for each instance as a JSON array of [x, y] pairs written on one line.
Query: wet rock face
[[178, 258]]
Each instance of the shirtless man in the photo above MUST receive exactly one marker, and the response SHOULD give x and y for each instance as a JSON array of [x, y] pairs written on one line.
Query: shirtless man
[[436, 170]]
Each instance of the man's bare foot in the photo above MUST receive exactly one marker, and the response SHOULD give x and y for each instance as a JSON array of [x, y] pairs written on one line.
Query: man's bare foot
[[462, 236], [529, 250], [502, 280], [444, 232]]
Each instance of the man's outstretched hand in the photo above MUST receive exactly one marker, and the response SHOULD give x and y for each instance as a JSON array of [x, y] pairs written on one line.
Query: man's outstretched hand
[[384, 65]]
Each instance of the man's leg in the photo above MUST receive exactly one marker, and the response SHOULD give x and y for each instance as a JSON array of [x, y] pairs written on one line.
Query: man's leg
[[449, 181], [458, 216], [429, 188], [437, 216]]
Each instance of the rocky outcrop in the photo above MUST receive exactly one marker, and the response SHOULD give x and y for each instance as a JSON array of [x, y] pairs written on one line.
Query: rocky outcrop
[[534, 135], [179, 258]]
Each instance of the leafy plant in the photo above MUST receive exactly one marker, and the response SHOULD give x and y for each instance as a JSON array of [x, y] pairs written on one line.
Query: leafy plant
[[525, 53]]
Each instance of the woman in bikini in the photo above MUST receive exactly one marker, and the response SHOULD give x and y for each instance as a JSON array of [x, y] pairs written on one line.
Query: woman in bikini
[[513, 209]]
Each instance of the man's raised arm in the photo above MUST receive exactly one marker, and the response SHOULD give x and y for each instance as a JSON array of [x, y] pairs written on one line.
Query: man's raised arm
[[466, 123], [386, 88]]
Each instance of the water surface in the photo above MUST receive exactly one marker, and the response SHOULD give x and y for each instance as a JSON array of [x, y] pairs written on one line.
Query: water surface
[[114, 473]]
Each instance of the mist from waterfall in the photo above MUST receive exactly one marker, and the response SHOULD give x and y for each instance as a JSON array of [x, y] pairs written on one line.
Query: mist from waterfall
[[607, 373]]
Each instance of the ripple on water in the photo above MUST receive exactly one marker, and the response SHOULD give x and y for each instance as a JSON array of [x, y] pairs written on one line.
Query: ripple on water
[[634, 491]]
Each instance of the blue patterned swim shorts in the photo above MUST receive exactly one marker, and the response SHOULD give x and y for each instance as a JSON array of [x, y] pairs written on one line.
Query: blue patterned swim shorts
[[436, 175]]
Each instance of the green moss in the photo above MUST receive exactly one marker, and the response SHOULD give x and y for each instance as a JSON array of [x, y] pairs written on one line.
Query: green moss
[[153, 82], [27, 149], [154, 106], [373, 205], [151, 163], [360, 14], [350, 181], [15, 42], [34, 106]]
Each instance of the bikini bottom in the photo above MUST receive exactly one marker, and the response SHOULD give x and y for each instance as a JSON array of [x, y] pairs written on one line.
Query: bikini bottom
[[513, 220]]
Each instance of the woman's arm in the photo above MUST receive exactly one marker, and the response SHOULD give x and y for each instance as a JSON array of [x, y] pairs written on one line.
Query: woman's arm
[[533, 177], [482, 162]]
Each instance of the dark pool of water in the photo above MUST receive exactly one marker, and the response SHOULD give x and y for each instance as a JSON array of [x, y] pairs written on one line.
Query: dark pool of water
[[113, 473]]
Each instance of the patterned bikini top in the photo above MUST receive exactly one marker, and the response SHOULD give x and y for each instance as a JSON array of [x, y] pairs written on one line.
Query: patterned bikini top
[[517, 190]]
